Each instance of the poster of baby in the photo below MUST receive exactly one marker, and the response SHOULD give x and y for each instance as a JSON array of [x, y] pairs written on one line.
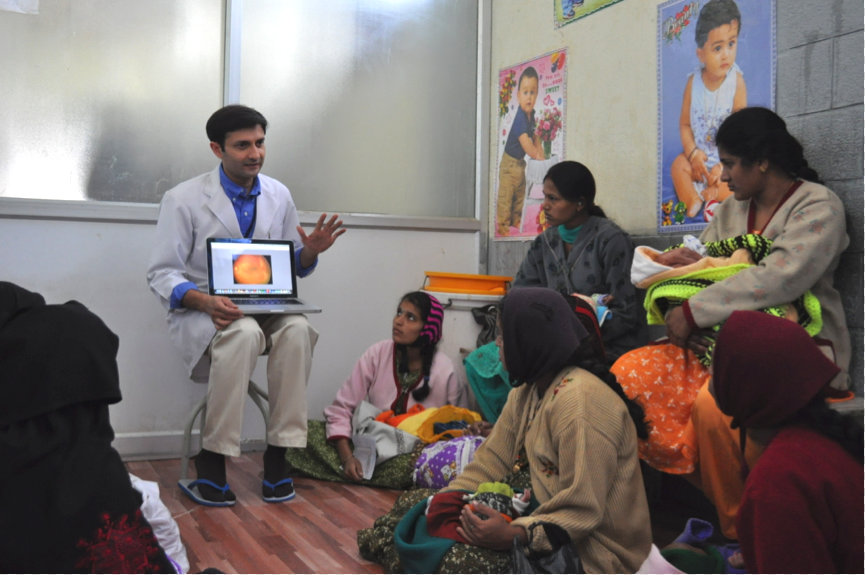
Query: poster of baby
[[714, 57], [531, 138]]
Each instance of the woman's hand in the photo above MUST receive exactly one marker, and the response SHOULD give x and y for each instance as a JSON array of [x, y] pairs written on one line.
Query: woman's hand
[[490, 532], [698, 341], [678, 328], [352, 468], [350, 465]]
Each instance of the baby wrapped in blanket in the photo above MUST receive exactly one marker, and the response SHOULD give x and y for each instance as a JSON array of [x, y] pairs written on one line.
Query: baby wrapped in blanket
[[665, 378], [669, 286]]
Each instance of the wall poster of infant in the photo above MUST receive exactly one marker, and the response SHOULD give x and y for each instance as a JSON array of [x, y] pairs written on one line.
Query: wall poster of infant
[[531, 138], [714, 57]]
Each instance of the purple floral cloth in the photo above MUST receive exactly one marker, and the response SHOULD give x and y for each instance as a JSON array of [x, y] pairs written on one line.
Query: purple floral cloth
[[442, 461]]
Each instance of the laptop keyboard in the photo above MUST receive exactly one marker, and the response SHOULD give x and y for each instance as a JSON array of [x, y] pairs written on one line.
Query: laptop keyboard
[[257, 301]]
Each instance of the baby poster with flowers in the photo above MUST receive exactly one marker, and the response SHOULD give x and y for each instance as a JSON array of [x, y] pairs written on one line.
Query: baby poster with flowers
[[531, 138], [714, 57]]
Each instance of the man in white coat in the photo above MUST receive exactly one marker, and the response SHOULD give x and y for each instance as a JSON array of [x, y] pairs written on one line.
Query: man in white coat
[[215, 338]]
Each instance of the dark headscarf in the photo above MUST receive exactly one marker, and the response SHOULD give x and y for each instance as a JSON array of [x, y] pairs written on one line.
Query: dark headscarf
[[541, 334], [766, 369], [593, 344], [15, 300], [66, 499], [52, 356]]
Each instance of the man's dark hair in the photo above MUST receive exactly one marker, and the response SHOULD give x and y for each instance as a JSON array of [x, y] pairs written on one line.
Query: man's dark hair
[[231, 118]]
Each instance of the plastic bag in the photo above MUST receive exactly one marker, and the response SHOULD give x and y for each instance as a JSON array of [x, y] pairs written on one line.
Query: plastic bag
[[562, 559], [164, 526], [485, 317]]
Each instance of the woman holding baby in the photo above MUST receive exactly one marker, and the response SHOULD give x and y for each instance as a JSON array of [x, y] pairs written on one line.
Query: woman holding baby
[[779, 203]]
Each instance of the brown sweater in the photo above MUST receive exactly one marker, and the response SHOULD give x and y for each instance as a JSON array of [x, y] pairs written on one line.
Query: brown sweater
[[808, 233], [582, 452]]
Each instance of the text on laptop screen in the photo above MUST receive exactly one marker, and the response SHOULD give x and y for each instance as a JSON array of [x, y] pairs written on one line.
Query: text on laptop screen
[[250, 269]]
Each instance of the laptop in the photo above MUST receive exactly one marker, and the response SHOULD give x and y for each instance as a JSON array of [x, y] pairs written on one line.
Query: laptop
[[257, 275]]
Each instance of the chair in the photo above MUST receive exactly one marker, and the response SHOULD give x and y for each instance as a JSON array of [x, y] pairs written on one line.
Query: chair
[[258, 396]]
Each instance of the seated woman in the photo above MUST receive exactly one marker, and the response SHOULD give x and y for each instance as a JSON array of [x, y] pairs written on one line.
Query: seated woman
[[440, 463], [403, 373], [802, 508], [68, 505], [776, 197], [584, 252], [570, 421]]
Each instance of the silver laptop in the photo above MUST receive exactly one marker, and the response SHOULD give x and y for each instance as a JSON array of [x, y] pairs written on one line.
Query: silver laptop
[[257, 275]]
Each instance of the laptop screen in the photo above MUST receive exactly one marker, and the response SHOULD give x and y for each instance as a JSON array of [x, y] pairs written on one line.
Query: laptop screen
[[251, 268]]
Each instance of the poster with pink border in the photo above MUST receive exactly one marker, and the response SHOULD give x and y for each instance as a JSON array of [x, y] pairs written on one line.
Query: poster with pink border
[[531, 138]]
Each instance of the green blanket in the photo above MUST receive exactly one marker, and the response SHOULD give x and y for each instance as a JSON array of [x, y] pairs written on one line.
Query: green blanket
[[665, 294]]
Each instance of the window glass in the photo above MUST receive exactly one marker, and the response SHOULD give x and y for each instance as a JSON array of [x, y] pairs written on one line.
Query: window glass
[[371, 103], [107, 99]]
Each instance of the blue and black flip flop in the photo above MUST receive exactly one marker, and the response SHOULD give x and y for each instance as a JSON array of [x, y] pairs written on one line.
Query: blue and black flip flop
[[273, 486], [190, 488]]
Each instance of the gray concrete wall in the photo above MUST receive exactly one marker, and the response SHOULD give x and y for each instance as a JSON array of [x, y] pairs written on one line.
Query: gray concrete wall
[[819, 92]]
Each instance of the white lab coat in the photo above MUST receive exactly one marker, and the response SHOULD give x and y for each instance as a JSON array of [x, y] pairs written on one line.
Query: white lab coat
[[190, 213]]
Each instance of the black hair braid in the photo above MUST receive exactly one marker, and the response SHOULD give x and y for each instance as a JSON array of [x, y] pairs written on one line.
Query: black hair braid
[[635, 410], [842, 428], [402, 358], [427, 354], [806, 172], [782, 149]]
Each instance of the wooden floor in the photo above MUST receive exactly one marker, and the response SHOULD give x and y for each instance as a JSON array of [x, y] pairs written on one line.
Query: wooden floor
[[313, 533], [316, 531]]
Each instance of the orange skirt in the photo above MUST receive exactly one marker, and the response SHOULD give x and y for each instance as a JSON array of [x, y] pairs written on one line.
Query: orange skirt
[[664, 379]]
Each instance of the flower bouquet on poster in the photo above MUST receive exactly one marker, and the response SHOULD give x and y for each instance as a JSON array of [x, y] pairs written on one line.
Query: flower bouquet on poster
[[548, 128], [531, 138], [506, 88]]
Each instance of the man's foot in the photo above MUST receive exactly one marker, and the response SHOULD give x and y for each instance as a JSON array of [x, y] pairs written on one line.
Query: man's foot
[[277, 485], [210, 466], [282, 490]]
